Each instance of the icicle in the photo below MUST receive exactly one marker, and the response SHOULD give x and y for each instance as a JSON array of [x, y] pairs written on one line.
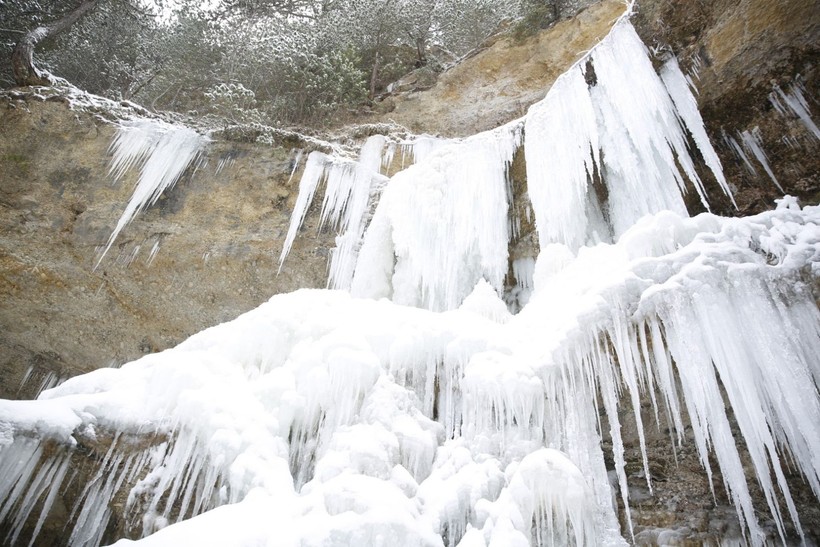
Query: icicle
[[597, 122], [752, 142], [367, 396], [735, 147], [503, 403], [387, 156], [348, 195], [523, 271], [320, 418], [349, 188], [296, 161], [423, 145], [641, 138], [457, 487], [311, 178], [687, 108], [447, 223], [517, 296], [562, 154], [17, 467], [54, 481], [796, 103], [132, 145], [162, 152], [26, 376], [545, 503]]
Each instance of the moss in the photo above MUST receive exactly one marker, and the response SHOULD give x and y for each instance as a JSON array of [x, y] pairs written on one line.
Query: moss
[[19, 161]]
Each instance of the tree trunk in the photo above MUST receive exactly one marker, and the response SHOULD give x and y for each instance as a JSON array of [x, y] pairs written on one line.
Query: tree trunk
[[421, 51], [374, 75], [22, 58]]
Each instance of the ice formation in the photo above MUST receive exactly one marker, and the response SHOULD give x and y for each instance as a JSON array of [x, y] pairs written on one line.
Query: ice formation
[[162, 152], [357, 419], [350, 186], [753, 142], [599, 156], [415, 409], [596, 125], [458, 194], [794, 101]]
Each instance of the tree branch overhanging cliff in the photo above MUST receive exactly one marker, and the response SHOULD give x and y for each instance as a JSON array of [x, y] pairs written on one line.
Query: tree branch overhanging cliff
[[25, 70]]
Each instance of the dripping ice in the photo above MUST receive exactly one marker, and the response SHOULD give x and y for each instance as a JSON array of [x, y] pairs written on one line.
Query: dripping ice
[[427, 413], [794, 101], [750, 142], [319, 376], [162, 152], [442, 224]]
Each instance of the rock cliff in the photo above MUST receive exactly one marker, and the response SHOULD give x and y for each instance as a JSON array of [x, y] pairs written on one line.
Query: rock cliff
[[206, 252]]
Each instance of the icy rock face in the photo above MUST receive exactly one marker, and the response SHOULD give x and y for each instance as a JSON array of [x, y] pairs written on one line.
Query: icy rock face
[[428, 414]]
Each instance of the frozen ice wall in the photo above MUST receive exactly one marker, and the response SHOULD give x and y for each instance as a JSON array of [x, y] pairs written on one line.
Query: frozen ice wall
[[414, 408], [607, 145], [357, 421]]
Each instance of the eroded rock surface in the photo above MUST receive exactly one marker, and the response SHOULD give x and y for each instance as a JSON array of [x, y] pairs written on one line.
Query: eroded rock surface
[[499, 83], [217, 234]]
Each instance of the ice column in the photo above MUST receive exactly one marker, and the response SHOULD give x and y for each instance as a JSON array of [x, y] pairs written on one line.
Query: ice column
[[608, 144], [441, 225]]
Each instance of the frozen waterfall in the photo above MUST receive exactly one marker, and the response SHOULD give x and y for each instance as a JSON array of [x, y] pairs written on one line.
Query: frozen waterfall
[[443, 224], [409, 406]]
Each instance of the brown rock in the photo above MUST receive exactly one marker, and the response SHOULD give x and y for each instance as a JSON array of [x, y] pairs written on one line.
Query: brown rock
[[218, 235]]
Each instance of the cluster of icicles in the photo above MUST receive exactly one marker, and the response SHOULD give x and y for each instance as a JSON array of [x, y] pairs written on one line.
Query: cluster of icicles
[[412, 408], [161, 152]]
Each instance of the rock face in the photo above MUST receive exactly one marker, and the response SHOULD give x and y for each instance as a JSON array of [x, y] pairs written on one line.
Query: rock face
[[499, 83], [219, 231], [217, 236], [739, 52]]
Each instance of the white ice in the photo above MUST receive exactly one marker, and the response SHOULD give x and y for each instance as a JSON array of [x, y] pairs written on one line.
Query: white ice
[[365, 419], [441, 225], [162, 152], [608, 144], [794, 101], [753, 142]]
